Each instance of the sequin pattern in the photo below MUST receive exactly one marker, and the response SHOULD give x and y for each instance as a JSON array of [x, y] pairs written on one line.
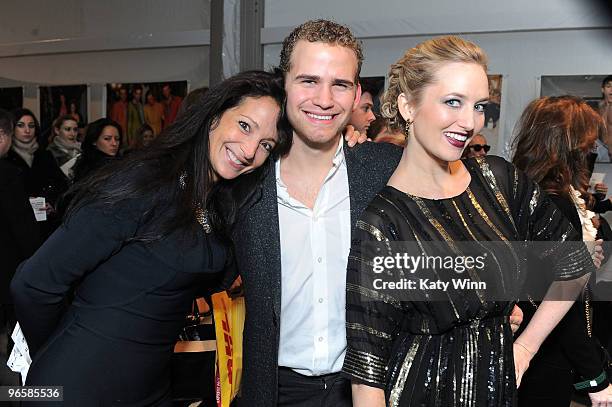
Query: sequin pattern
[[456, 352]]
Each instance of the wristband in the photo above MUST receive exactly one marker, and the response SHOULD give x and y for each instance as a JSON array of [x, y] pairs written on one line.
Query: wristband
[[591, 383]]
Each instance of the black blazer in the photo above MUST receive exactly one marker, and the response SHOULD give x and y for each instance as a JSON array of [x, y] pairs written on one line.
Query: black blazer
[[45, 179], [257, 242], [19, 234]]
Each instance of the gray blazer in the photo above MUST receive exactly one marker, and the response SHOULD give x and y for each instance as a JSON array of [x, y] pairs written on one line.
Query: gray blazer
[[258, 257]]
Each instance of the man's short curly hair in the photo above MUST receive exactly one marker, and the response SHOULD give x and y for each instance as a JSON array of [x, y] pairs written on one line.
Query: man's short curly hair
[[325, 31]]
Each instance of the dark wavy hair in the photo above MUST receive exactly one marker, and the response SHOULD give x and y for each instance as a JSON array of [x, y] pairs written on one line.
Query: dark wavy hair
[[93, 132], [20, 112], [181, 151], [91, 157], [553, 139]]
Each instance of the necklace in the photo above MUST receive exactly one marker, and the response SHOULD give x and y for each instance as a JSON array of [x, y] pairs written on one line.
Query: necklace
[[201, 214], [203, 219]]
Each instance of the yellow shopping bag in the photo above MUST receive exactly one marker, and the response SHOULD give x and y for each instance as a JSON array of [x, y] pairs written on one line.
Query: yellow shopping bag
[[229, 324]]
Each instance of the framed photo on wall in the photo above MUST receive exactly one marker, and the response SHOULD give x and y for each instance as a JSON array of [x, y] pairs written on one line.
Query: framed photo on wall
[[133, 105]]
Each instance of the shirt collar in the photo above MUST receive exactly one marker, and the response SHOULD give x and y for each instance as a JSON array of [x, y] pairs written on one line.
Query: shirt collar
[[336, 162]]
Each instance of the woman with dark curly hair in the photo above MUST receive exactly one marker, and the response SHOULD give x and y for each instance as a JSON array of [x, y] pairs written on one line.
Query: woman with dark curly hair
[[143, 237]]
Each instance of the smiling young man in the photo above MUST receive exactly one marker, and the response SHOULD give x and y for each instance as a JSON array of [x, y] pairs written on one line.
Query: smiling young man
[[292, 244]]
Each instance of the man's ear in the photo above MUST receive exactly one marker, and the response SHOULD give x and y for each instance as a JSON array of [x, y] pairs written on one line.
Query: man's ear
[[405, 106], [357, 96]]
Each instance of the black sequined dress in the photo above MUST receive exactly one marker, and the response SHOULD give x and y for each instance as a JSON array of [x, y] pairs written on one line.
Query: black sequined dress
[[457, 351]]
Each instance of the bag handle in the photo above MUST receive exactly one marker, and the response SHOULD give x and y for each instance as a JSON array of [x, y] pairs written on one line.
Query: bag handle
[[195, 310]]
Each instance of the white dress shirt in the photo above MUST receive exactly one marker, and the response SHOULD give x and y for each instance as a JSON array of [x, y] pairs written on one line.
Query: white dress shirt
[[314, 250]]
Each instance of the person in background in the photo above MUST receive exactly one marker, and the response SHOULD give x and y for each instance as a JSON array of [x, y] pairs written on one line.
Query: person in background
[[101, 145], [19, 238], [478, 147], [144, 137], [81, 133], [74, 112], [63, 108], [363, 115], [135, 115], [64, 145], [379, 132], [142, 239], [154, 113], [554, 137], [42, 176], [172, 105], [119, 112]]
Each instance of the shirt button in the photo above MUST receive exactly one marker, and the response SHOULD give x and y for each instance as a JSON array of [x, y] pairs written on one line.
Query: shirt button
[[320, 339], [319, 259], [320, 300]]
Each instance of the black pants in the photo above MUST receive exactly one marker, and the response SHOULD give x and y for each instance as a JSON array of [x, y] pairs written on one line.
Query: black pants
[[297, 390], [545, 385]]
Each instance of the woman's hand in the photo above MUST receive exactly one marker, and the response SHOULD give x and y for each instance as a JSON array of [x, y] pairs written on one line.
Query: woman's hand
[[354, 137], [49, 209], [596, 250], [236, 290], [602, 398], [516, 318], [596, 222], [522, 357], [367, 396]]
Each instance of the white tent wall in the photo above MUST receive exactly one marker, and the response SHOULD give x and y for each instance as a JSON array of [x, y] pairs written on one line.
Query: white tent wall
[[65, 42], [524, 39]]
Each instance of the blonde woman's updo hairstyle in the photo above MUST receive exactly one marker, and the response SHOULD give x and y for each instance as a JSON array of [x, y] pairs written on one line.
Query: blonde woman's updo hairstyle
[[417, 68]]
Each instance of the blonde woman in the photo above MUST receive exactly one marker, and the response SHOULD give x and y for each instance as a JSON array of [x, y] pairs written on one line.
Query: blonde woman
[[411, 348]]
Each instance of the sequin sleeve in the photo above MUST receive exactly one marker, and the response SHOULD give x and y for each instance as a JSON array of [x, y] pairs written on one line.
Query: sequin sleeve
[[373, 318], [539, 220]]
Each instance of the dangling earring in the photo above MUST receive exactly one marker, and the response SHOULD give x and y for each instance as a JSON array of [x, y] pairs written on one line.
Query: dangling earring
[[407, 128]]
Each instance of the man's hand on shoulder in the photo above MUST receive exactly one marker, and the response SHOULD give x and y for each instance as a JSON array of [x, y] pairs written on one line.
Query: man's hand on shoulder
[[354, 137]]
